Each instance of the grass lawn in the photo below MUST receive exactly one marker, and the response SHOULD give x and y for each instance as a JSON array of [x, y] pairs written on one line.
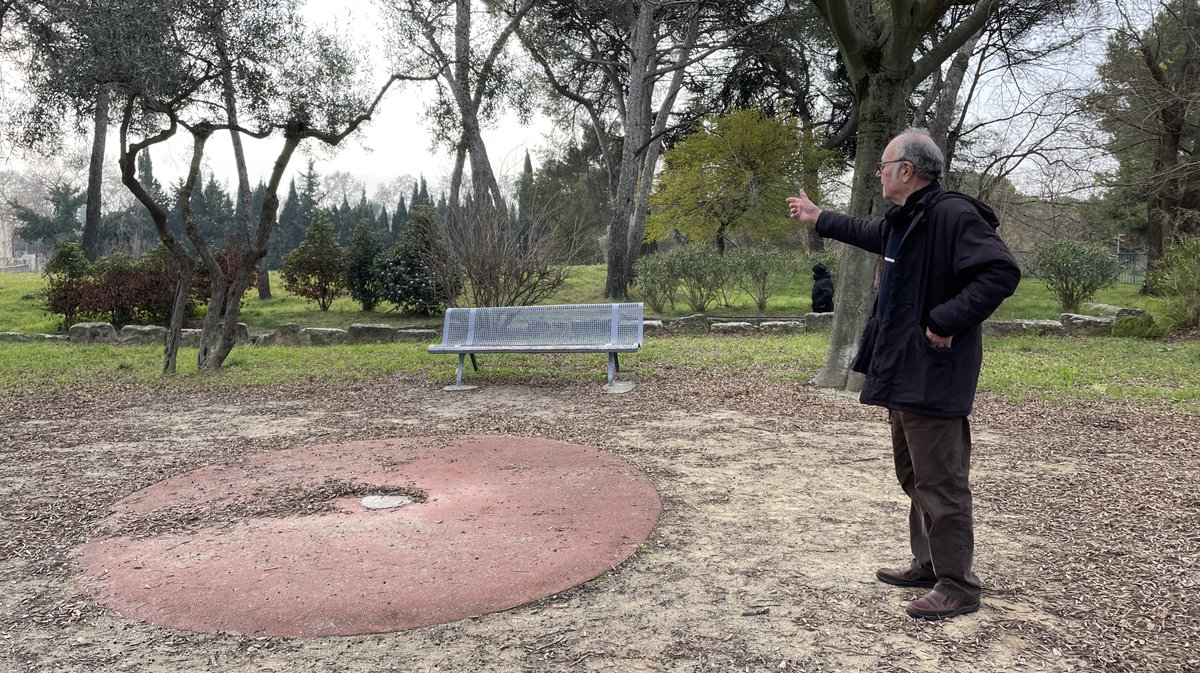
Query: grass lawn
[[1016, 368], [23, 311]]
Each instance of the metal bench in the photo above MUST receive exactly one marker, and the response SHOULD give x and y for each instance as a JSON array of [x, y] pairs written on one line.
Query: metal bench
[[572, 328]]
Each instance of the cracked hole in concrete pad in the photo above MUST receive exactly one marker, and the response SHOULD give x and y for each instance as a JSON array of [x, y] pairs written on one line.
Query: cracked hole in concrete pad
[[385, 501]]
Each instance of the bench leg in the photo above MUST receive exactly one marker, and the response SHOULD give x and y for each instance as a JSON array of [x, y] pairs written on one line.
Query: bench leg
[[614, 366], [474, 364], [458, 375]]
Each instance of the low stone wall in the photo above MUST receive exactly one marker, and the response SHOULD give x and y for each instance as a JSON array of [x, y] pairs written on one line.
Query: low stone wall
[[702, 324], [288, 334], [1068, 324], [292, 334]]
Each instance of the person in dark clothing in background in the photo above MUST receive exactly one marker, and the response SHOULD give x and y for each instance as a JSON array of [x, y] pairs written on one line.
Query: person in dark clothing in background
[[822, 292], [945, 270]]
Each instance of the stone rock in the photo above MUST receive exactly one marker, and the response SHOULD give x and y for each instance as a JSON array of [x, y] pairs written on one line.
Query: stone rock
[[287, 334], [13, 336], [652, 327], [692, 324], [363, 333], [51, 337], [189, 338], [782, 327], [1086, 325], [1116, 311], [1104, 309], [92, 333], [418, 335], [732, 328], [322, 336], [1011, 327], [143, 335], [818, 322], [241, 333]]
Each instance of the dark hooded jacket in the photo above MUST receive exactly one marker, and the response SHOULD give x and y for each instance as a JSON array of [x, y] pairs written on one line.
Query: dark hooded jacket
[[822, 291], [951, 271]]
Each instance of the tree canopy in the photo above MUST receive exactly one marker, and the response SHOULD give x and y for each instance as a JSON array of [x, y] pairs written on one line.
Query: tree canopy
[[727, 178], [1148, 103]]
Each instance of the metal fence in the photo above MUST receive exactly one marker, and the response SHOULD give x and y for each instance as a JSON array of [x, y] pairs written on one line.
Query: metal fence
[[1133, 267]]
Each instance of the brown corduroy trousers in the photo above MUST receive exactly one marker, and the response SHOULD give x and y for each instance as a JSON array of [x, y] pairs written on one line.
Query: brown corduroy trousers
[[933, 465]]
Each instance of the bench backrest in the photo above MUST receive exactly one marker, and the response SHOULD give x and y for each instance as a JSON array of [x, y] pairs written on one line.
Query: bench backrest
[[571, 324]]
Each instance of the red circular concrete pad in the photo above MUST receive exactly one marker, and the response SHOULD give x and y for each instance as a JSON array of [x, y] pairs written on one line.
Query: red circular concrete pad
[[508, 520]]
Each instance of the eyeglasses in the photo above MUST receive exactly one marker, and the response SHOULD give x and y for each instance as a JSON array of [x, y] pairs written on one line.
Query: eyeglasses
[[879, 166]]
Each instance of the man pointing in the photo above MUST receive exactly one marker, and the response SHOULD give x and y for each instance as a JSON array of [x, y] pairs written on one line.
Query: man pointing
[[945, 270]]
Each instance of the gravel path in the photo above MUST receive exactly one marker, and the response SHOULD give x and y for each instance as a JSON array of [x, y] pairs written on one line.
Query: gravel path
[[779, 502]]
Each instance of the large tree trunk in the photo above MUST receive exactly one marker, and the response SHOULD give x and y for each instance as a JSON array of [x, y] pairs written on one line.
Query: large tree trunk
[[881, 118], [620, 270], [91, 223], [457, 75], [637, 224], [454, 214], [218, 295], [1164, 194]]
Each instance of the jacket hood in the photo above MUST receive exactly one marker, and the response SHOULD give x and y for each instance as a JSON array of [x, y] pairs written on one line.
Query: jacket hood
[[985, 211]]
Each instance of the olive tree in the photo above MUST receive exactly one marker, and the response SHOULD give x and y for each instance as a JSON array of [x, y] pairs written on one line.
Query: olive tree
[[312, 90]]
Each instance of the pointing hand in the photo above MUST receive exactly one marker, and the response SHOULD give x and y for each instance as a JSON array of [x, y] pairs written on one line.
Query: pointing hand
[[802, 208]]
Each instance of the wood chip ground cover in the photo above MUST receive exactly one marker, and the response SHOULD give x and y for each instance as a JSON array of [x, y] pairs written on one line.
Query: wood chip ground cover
[[779, 503]]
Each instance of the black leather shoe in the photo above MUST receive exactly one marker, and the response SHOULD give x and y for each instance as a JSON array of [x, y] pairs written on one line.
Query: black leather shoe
[[936, 605], [904, 577]]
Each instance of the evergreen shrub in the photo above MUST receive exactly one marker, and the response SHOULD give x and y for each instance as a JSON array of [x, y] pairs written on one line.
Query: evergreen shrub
[[117, 288], [316, 269], [656, 280], [1074, 270], [361, 279], [1176, 278], [418, 274], [702, 274], [761, 272], [66, 275]]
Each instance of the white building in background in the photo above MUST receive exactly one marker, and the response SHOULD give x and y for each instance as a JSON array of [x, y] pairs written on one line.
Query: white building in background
[[6, 238], [9, 261]]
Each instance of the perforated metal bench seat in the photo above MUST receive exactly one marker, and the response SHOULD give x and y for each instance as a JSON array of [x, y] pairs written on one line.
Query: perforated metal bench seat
[[569, 328]]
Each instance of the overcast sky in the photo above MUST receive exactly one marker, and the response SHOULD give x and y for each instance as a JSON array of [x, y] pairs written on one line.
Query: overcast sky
[[394, 144]]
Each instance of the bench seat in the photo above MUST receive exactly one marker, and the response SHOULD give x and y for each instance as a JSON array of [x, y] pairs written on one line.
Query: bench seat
[[568, 328]]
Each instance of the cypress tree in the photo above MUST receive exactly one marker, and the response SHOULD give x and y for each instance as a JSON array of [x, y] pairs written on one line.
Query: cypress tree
[[399, 217], [362, 252], [285, 238], [524, 220], [383, 225], [423, 195]]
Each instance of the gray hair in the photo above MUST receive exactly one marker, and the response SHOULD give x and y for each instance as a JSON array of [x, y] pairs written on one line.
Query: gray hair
[[922, 152]]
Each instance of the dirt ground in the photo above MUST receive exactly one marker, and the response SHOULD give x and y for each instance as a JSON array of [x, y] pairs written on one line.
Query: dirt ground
[[779, 503]]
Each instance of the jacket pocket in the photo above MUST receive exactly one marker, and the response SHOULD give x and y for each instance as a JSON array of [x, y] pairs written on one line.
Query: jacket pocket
[[926, 381], [866, 347]]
